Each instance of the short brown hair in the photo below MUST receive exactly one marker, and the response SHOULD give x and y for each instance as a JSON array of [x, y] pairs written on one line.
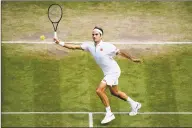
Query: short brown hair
[[96, 27]]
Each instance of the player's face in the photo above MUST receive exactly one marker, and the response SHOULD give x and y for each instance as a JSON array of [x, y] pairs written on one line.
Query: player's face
[[96, 36]]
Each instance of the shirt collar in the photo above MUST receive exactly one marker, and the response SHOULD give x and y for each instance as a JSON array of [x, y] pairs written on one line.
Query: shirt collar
[[100, 43]]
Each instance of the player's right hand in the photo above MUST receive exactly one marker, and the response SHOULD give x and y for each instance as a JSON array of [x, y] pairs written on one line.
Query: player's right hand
[[56, 40]]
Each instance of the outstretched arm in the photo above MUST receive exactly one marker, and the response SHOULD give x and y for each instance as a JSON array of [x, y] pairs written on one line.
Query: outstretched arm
[[128, 56], [69, 46]]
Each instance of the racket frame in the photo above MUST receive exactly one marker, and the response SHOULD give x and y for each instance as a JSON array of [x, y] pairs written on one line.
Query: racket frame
[[55, 27]]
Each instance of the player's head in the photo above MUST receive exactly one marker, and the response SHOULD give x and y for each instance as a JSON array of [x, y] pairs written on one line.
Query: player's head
[[97, 34]]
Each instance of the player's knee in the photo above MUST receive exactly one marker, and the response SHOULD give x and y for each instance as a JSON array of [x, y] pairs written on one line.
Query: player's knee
[[114, 93], [98, 91]]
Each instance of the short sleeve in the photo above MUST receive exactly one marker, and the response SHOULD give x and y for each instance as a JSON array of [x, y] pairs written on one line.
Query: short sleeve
[[85, 46], [111, 49], [114, 49]]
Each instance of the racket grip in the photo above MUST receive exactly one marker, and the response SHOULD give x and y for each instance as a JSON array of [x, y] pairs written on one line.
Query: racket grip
[[55, 35]]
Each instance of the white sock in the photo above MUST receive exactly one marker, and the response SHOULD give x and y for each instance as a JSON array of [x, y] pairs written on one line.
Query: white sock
[[130, 101], [108, 109]]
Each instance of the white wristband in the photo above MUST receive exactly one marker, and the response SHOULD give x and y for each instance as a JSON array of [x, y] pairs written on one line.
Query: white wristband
[[61, 43]]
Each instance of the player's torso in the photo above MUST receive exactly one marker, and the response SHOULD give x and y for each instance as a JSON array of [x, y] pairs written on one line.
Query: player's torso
[[104, 57]]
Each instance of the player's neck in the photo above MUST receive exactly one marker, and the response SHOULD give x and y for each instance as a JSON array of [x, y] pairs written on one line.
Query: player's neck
[[98, 42]]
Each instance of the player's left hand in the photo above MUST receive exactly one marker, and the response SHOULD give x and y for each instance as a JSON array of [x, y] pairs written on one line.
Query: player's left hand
[[137, 60]]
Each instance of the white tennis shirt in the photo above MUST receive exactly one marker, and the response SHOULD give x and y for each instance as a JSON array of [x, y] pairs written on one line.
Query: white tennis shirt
[[103, 54]]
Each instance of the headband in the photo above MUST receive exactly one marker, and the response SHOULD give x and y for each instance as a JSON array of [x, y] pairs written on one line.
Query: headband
[[97, 30]]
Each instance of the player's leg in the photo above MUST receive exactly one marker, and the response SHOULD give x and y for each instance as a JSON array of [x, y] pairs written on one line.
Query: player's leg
[[102, 95], [135, 106], [114, 87], [115, 92]]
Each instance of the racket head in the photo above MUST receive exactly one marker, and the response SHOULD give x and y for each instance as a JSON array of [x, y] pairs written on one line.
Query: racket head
[[55, 13]]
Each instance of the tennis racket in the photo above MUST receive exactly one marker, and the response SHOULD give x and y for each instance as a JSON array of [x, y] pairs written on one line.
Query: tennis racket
[[55, 14]]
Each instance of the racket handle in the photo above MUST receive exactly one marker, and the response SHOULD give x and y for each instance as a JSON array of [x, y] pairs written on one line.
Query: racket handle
[[55, 35]]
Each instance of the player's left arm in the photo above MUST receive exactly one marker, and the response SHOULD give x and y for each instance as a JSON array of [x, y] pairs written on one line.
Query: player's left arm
[[128, 56]]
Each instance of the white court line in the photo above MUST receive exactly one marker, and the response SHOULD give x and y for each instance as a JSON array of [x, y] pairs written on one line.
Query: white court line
[[142, 113], [90, 120], [128, 42], [90, 114]]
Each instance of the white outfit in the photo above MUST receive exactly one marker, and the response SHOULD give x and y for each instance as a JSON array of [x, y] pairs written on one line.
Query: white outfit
[[103, 54]]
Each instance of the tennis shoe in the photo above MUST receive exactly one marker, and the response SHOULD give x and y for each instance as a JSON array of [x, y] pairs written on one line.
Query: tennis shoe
[[134, 109], [108, 117]]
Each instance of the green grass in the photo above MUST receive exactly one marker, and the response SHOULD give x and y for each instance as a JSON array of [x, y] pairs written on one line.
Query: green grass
[[45, 120], [165, 21], [33, 80]]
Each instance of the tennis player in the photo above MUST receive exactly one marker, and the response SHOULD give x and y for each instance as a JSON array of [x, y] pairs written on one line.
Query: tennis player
[[103, 54]]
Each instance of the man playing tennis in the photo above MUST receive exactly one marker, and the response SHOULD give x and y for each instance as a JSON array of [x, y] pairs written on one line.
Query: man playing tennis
[[103, 54]]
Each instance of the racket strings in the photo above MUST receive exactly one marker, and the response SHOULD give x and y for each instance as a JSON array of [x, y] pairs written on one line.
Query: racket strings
[[55, 13]]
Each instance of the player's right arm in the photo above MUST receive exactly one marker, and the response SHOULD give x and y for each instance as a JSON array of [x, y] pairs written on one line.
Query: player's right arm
[[69, 46]]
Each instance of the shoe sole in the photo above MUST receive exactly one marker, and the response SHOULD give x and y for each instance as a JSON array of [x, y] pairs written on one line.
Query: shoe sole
[[112, 118]]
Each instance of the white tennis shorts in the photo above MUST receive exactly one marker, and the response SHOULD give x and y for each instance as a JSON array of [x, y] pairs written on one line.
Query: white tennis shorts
[[111, 79]]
